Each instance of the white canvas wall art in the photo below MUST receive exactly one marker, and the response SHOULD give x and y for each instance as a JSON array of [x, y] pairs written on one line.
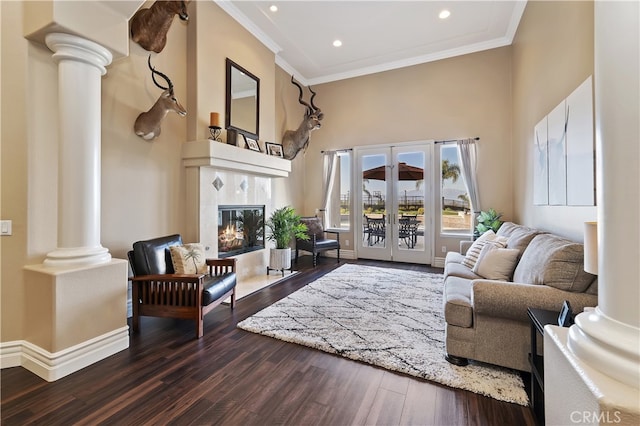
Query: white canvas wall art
[[564, 152], [580, 147], [540, 165], [557, 141]]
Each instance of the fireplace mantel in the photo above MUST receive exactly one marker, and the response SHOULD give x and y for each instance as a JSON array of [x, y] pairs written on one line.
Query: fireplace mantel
[[209, 153]]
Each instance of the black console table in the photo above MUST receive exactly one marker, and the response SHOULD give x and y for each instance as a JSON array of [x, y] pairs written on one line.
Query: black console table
[[539, 318]]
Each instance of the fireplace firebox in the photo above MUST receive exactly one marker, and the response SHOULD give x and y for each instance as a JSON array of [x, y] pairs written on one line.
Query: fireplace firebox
[[240, 229]]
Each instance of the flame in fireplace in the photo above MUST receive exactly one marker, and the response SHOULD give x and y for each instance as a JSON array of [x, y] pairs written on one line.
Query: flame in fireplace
[[229, 234]]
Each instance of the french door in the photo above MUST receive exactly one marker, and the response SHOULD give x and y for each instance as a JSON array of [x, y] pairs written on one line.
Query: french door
[[394, 202]]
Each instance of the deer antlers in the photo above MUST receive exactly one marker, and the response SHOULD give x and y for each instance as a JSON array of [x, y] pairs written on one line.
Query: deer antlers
[[153, 77], [295, 140], [147, 125]]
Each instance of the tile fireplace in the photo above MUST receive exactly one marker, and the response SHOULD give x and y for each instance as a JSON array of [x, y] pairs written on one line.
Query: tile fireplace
[[224, 185]]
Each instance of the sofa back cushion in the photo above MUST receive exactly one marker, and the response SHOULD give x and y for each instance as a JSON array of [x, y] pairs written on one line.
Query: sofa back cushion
[[553, 261], [518, 236]]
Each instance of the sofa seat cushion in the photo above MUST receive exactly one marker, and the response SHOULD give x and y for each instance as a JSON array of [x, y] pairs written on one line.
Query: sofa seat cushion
[[458, 310], [324, 244], [460, 271], [518, 236], [216, 286], [554, 261]]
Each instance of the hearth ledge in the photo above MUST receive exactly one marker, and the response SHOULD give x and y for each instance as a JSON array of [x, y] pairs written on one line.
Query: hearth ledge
[[208, 153]]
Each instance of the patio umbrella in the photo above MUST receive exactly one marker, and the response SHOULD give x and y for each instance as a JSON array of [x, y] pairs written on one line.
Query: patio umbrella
[[405, 172]]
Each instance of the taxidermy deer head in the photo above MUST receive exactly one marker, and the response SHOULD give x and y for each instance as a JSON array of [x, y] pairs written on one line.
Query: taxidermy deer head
[[149, 26], [295, 140], [147, 125]]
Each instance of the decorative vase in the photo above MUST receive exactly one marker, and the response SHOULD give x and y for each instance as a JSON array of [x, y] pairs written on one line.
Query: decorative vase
[[280, 259]]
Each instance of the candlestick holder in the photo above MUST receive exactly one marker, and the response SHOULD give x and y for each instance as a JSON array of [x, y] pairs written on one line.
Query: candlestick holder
[[215, 133]]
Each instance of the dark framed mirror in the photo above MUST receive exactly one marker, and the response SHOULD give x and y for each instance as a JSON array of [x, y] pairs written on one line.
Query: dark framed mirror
[[243, 100]]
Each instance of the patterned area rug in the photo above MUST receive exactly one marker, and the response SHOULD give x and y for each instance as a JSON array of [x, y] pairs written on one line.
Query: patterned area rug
[[390, 318]]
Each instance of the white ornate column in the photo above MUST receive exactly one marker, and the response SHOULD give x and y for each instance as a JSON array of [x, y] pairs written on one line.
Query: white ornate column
[[592, 371], [609, 337], [80, 315], [81, 64]]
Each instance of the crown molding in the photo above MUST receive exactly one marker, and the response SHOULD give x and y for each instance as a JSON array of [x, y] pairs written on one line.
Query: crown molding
[[416, 60], [248, 25]]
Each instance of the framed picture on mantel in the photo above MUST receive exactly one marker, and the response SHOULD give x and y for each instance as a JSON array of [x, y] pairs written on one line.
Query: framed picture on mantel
[[252, 144], [274, 149]]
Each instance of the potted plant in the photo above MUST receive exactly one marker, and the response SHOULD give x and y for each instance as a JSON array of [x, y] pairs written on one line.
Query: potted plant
[[284, 225], [487, 220]]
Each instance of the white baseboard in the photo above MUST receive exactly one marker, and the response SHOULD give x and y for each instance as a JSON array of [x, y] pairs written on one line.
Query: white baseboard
[[438, 262], [344, 254], [11, 354], [54, 366], [351, 254]]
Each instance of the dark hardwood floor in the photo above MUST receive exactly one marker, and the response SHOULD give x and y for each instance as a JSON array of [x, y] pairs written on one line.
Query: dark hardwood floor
[[234, 377]]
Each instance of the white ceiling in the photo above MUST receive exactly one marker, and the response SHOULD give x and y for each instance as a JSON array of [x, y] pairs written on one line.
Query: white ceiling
[[376, 35]]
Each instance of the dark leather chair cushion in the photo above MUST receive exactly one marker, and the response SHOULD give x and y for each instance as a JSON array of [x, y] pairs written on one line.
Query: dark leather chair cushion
[[320, 245], [215, 287], [153, 257]]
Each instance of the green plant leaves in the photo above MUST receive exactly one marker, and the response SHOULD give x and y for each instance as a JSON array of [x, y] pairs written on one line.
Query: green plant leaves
[[284, 225], [488, 220]]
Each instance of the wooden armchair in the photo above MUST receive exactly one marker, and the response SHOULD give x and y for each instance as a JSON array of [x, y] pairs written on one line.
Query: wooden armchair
[[159, 292], [317, 242]]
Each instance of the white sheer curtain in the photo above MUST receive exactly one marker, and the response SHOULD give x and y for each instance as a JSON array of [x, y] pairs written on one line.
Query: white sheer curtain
[[468, 163], [329, 168]]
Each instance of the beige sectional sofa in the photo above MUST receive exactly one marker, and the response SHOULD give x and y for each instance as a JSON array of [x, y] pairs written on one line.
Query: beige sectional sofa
[[486, 320]]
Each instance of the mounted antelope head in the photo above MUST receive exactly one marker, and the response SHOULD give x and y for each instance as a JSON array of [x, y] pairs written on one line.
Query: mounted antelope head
[[147, 125], [295, 140], [149, 26]]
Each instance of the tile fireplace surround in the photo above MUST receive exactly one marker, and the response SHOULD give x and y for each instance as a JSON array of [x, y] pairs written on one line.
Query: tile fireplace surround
[[221, 174]]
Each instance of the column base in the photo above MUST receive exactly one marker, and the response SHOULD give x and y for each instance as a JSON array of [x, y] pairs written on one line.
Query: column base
[[81, 256], [575, 392], [74, 316], [607, 345]]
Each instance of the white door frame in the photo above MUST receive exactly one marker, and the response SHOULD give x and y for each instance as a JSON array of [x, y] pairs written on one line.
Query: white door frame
[[393, 250]]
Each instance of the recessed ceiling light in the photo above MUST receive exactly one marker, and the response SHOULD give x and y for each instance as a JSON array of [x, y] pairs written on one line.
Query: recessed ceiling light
[[273, 8], [444, 14], [337, 43]]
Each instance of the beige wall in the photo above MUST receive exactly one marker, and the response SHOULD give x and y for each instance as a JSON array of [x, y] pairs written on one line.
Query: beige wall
[[14, 179], [552, 55], [460, 97], [142, 182]]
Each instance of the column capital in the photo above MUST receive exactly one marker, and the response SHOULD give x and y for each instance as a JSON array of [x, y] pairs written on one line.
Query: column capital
[[71, 47]]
